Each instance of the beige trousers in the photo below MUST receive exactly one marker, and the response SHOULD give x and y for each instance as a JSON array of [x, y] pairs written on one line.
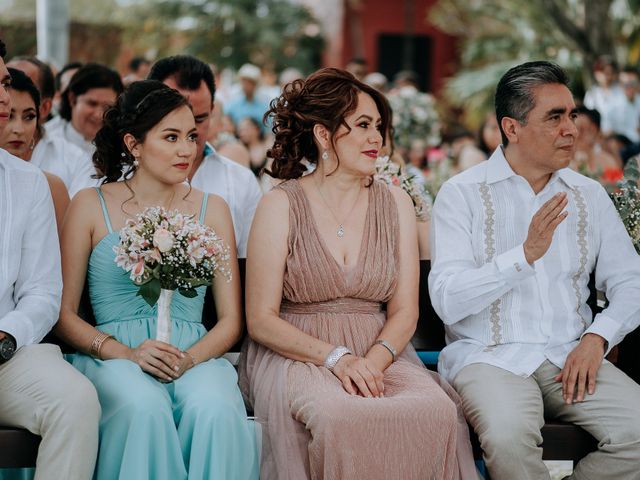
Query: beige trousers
[[43, 393], [507, 412]]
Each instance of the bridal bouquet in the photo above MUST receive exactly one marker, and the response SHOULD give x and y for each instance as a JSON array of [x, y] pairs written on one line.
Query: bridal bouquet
[[627, 201], [393, 174], [164, 251]]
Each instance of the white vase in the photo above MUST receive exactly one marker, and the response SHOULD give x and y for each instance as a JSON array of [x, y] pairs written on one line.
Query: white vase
[[163, 328]]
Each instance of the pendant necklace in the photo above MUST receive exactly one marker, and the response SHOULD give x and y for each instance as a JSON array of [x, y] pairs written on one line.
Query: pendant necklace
[[340, 232]]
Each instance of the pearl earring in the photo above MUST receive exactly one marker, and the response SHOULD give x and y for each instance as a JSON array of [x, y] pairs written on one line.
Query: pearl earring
[[325, 155], [136, 163]]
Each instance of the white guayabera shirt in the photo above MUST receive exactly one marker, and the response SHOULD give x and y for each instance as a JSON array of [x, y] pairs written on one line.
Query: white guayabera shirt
[[237, 185], [498, 309], [60, 157], [30, 278]]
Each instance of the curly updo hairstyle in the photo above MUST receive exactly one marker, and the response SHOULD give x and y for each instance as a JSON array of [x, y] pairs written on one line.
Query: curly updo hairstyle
[[326, 97], [138, 109]]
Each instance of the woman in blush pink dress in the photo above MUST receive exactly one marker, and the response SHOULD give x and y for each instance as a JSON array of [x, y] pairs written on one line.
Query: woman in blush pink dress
[[331, 375]]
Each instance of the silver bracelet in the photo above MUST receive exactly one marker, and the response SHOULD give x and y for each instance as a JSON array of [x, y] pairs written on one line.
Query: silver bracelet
[[388, 346], [335, 355]]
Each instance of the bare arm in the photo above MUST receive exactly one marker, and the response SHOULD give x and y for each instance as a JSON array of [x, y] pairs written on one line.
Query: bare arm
[[402, 309], [228, 329], [267, 253], [60, 198]]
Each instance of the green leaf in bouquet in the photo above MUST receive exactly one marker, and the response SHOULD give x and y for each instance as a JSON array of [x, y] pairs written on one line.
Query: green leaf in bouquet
[[188, 292], [157, 271], [167, 269], [150, 291], [195, 282]]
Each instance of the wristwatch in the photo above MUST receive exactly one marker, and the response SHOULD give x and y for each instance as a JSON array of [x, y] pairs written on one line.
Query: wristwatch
[[7, 348]]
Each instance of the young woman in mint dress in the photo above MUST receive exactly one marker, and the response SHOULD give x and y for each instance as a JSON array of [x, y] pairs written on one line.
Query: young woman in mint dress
[[169, 411]]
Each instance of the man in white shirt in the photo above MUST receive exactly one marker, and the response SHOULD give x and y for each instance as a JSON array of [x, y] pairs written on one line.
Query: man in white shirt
[[606, 93], [211, 172], [624, 115], [39, 390], [513, 241]]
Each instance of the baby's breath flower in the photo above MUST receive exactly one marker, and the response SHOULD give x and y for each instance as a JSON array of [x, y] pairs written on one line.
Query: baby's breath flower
[[193, 257]]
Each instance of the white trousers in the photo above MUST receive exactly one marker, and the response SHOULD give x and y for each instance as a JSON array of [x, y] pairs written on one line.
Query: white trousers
[[507, 412], [41, 392]]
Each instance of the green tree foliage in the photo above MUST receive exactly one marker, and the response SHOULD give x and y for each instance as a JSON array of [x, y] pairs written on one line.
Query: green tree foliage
[[271, 33], [497, 34]]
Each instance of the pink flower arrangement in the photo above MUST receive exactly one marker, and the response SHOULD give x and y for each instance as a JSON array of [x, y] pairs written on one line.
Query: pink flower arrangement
[[164, 250], [393, 174]]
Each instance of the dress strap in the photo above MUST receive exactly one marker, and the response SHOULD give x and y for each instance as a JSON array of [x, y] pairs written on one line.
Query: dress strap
[[203, 208], [104, 209]]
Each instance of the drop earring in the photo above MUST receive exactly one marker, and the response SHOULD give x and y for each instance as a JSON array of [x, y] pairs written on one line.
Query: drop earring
[[325, 155], [136, 163]]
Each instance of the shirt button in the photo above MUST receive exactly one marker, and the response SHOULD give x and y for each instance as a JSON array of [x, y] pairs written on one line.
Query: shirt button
[[518, 268]]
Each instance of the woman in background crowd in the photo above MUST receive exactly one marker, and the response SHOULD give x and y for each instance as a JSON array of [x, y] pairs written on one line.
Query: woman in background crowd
[[253, 138], [18, 136], [489, 134]]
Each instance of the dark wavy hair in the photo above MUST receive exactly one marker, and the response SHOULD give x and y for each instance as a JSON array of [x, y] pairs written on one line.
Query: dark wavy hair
[[91, 75], [21, 82], [138, 109], [326, 97], [63, 70], [3, 49]]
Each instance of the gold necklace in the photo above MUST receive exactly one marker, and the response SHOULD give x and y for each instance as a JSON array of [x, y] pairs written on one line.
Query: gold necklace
[[340, 232], [168, 204]]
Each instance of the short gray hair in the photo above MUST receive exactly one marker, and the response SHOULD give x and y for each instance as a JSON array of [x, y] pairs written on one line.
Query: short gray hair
[[514, 94]]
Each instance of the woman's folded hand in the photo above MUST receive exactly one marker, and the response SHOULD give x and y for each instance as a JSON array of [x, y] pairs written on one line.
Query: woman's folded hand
[[359, 376], [159, 359]]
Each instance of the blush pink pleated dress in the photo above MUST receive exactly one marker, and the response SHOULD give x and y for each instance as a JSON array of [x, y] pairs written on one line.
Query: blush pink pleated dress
[[312, 428]]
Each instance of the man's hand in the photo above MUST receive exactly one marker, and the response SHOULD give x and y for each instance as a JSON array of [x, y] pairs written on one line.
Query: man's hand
[[543, 225], [582, 367]]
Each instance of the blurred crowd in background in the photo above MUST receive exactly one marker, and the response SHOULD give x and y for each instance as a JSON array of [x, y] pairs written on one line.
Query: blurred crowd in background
[[73, 99]]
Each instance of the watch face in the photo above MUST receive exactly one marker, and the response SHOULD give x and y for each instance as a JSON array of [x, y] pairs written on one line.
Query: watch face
[[6, 349]]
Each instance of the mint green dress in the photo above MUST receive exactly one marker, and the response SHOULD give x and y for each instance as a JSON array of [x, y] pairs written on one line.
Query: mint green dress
[[194, 428]]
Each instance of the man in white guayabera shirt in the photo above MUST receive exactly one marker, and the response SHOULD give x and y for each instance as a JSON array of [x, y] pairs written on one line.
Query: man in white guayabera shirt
[[39, 390], [514, 241]]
